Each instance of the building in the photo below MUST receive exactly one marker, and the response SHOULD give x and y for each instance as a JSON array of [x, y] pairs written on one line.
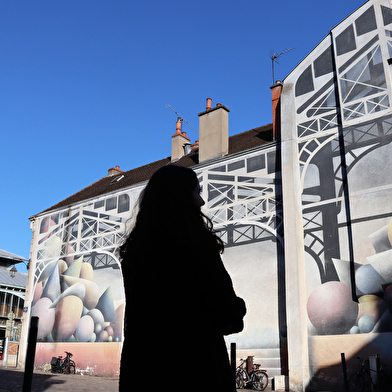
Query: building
[[336, 150], [303, 206], [75, 241], [12, 296]]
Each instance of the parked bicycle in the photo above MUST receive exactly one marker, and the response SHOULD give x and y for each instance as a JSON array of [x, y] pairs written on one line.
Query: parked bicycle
[[255, 377], [60, 365], [362, 381]]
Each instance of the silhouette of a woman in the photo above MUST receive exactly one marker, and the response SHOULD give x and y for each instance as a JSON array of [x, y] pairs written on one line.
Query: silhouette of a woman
[[180, 300]]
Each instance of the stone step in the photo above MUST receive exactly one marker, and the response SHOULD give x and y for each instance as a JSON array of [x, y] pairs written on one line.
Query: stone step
[[268, 358]]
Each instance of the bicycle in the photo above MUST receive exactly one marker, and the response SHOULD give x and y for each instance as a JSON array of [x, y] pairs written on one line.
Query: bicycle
[[256, 377], [361, 381], [66, 365]]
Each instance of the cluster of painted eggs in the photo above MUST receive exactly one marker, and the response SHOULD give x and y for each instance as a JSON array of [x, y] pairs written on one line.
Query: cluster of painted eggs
[[69, 307], [330, 307]]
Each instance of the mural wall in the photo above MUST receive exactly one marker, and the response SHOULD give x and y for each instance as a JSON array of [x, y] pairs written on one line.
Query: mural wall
[[78, 289], [344, 131]]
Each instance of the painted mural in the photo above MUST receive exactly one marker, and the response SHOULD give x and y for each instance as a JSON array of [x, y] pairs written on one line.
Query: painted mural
[[344, 132], [78, 290]]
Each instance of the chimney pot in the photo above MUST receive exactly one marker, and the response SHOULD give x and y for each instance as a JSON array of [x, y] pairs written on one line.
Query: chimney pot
[[218, 105], [208, 107], [178, 126]]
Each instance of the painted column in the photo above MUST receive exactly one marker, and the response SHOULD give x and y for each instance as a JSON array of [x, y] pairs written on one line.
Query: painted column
[[297, 335]]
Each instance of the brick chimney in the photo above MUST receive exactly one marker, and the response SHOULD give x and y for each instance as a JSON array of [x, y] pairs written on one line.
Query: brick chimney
[[276, 90], [179, 140], [213, 132], [114, 171]]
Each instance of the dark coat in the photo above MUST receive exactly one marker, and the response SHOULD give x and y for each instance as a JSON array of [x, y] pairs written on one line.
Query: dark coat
[[178, 308]]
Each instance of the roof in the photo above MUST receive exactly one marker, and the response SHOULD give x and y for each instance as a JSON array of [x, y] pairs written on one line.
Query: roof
[[19, 280], [10, 257], [237, 143]]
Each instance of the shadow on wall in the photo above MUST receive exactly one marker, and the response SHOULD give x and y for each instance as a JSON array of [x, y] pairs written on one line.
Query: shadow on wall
[[329, 377]]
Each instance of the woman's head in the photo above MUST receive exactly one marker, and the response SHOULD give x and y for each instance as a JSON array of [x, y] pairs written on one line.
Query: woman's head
[[169, 207], [171, 190]]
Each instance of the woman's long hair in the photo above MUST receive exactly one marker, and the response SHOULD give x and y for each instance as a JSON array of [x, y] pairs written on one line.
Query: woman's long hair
[[168, 213]]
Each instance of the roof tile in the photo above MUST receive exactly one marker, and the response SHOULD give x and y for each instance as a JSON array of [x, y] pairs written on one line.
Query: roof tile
[[237, 143]]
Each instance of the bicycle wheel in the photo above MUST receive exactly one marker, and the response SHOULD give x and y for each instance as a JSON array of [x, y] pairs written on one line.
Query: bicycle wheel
[[240, 378], [259, 380], [355, 382], [70, 368], [239, 381]]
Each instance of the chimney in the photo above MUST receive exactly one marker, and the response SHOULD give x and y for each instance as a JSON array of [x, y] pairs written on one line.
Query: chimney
[[276, 91], [179, 140], [114, 171], [213, 132]]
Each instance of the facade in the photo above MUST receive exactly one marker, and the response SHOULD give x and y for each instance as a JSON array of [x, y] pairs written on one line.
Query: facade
[[76, 289], [12, 296], [336, 152], [303, 206]]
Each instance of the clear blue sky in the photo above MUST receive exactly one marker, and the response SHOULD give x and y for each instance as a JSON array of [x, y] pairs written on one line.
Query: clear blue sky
[[85, 83]]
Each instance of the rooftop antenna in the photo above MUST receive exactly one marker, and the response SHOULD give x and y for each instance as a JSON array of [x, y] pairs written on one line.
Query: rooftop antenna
[[274, 56], [180, 117]]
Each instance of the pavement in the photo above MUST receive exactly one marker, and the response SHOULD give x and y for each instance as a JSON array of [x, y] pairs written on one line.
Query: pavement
[[11, 380]]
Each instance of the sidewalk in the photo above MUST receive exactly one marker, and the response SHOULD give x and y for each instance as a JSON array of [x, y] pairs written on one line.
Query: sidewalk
[[11, 380]]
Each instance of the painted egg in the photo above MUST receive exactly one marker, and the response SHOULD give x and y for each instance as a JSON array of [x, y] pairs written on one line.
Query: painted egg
[[67, 316], [373, 306], [97, 316], [42, 309], [366, 324], [109, 330], [103, 336], [85, 329]]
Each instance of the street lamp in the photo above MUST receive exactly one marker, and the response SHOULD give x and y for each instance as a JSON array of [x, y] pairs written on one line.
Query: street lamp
[[13, 271]]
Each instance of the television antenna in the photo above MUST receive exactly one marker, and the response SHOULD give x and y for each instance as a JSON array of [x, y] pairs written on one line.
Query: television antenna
[[274, 56], [181, 118]]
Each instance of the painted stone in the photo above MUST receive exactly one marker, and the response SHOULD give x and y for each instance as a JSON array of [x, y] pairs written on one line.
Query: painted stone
[[52, 286], [74, 269], [77, 289], [331, 309], [118, 326], [67, 316], [42, 309], [62, 264], [366, 324], [92, 290], [106, 306], [85, 329], [86, 271], [37, 292], [368, 280], [371, 305], [99, 321]]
